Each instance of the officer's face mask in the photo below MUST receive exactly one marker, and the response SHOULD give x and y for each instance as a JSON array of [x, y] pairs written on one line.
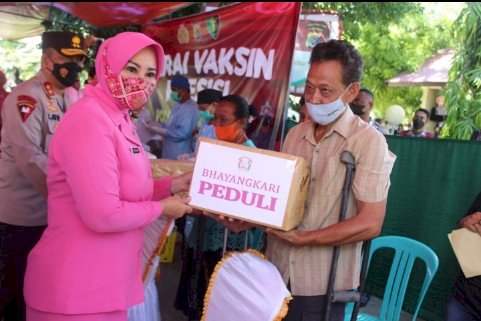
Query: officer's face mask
[[325, 114], [66, 73]]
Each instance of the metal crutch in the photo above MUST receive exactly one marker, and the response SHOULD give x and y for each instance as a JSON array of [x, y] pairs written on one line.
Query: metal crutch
[[348, 159], [366, 247]]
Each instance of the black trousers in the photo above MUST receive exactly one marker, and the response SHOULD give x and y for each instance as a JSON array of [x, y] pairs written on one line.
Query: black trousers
[[15, 244], [311, 308]]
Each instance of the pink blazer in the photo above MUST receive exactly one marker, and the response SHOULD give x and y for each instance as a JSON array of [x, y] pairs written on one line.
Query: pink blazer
[[100, 192]]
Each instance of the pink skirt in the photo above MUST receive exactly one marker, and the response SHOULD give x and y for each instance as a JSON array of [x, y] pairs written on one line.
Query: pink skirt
[[35, 315]]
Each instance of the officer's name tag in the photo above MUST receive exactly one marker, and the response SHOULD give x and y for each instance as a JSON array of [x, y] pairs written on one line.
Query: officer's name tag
[[134, 150]]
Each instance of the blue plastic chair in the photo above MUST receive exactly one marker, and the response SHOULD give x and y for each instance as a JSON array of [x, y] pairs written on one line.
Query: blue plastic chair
[[406, 252]]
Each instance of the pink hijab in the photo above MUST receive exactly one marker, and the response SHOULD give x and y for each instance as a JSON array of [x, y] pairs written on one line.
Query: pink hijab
[[119, 50]]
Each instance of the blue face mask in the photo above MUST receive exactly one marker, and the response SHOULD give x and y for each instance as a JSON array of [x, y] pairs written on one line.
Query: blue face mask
[[206, 116], [325, 114], [174, 96]]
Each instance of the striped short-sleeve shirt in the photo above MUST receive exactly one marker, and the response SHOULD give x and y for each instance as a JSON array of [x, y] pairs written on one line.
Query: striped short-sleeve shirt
[[308, 267]]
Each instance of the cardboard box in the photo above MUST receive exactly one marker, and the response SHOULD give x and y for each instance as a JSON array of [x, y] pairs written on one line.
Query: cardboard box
[[167, 167], [256, 185]]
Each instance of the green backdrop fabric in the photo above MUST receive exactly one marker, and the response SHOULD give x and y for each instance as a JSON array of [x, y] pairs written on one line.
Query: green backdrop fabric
[[433, 183]]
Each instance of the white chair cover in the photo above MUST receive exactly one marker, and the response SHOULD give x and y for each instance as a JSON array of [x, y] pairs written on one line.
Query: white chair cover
[[155, 235], [245, 286]]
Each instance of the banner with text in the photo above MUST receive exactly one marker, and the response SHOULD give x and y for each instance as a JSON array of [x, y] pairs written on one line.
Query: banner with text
[[244, 49], [314, 27]]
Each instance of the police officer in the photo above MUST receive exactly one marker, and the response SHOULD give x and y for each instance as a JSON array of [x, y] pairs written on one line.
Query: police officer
[[30, 115]]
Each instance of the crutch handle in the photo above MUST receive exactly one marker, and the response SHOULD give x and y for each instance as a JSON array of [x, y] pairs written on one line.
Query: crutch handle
[[346, 296]]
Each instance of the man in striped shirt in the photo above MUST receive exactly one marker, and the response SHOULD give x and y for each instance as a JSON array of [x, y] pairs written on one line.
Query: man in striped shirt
[[303, 255]]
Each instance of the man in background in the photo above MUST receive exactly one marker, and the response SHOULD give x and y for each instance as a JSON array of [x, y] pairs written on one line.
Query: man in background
[[420, 119], [31, 114], [177, 133], [362, 106]]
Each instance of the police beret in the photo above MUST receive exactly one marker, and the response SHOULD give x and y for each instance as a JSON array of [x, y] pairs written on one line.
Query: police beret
[[65, 42], [208, 96]]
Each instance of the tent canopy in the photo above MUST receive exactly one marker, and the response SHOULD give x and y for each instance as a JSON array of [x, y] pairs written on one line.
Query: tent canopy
[[433, 72], [20, 20]]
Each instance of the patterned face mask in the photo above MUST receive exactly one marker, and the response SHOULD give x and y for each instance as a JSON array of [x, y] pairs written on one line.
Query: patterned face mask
[[130, 92]]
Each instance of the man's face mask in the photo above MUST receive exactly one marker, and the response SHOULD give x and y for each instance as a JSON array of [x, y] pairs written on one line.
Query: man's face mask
[[206, 116], [418, 123], [325, 114], [175, 96], [66, 73], [357, 109]]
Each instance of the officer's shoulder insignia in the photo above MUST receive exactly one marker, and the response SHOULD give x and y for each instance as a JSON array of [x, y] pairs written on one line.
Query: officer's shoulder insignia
[[26, 105], [48, 89], [52, 108], [76, 41]]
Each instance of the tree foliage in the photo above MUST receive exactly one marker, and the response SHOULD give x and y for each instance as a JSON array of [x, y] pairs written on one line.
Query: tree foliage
[[354, 15], [392, 38], [463, 92], [63, 21], [19, 54]]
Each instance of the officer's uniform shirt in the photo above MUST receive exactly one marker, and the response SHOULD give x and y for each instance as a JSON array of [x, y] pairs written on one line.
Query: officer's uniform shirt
[[30, 115]]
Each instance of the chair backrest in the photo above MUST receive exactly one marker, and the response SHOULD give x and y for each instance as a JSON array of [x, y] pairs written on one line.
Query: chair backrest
[[245, 286], [406, 252]]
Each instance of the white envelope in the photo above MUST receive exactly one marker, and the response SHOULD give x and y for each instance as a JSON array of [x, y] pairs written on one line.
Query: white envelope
[[467, 247]]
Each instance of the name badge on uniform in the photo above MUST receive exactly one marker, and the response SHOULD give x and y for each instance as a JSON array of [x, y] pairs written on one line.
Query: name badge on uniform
[[134, 150]]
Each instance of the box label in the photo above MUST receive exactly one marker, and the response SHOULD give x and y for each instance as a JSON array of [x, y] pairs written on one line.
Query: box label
[[241, 183]]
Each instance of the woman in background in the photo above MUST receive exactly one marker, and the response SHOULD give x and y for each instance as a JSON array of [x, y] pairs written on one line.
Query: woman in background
[[205, 241]]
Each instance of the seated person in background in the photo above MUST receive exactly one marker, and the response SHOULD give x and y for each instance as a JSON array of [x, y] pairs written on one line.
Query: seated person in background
[[421, 117], [465, 303], [205, 241]]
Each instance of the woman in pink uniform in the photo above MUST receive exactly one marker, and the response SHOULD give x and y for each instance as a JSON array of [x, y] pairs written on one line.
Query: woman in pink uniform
[[87, 265]]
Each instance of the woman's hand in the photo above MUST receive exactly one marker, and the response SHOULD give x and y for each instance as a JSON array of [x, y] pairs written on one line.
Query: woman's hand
[[176, 206], [181, 183], [472, 222]]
